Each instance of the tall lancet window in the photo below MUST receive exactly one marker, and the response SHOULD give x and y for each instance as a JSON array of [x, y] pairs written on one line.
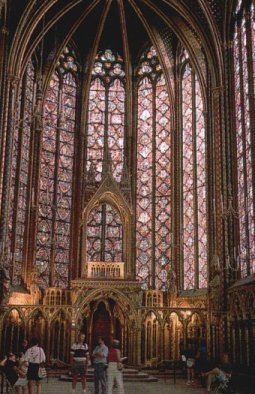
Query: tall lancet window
[[19, 192], [153, 192], [244, 74], [194, 206], [106, 114], [56, 174]]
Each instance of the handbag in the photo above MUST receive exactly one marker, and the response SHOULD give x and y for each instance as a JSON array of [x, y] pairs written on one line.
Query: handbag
[[120, 366], [190, 363], [42, 373]]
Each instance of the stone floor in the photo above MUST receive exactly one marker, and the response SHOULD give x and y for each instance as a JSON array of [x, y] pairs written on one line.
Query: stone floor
[[54, 386]]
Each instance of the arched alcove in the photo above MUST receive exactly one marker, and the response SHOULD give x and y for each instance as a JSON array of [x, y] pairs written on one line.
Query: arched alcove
[[13, 332]]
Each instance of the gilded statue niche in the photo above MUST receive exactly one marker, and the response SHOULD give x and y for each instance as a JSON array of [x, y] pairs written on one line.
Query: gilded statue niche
[[110, 193]]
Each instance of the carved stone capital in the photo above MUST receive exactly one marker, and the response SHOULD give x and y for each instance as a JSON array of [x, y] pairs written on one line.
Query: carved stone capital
[[217, 90]]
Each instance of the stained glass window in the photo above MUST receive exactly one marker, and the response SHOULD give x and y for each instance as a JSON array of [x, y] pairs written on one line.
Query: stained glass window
[[56, 174], [20, 173], [244, 61], [106, 115], [153, 193], [194, 223], [104, 234]]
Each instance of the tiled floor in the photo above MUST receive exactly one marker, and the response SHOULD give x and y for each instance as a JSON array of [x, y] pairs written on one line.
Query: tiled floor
[[54, 386]]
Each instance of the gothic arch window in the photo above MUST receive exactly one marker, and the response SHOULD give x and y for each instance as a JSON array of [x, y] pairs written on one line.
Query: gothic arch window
[[193, 154], [106, 114], [153, 189], [56, 174], [20, 173], [104, 234], [244, 77]]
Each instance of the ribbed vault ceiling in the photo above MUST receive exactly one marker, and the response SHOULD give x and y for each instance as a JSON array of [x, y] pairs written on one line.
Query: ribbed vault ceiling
[[126, 26]]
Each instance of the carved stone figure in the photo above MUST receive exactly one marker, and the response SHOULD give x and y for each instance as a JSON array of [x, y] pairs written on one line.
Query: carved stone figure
[[171, 278], [34, 287]]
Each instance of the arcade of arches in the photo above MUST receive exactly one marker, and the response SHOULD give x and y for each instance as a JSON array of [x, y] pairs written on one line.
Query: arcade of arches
[[127, 175]]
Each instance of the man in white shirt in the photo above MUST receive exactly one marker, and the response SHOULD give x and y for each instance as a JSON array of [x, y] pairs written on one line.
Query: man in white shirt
[[79, 360], [100, 355]]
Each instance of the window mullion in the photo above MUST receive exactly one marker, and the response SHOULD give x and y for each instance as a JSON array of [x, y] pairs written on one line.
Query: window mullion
[[17, 176]]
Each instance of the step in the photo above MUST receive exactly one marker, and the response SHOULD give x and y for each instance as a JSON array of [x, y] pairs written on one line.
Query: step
[[137, 378], [129, 375]]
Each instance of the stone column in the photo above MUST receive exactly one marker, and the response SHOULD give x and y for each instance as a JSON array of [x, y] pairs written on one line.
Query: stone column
[[138, 346], [9, 126], [217, 275]]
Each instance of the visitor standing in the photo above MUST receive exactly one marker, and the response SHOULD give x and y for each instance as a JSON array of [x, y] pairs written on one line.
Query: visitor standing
[[190, 355], [35, 357], [23, 348], [80, 361], [100, 355], [115, 367]]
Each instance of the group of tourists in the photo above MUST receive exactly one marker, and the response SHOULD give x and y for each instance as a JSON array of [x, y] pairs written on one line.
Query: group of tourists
[[25, 371], [107, 365], [198, 364]]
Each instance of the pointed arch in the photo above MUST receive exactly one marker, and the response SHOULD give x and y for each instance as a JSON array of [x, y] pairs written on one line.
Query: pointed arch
[[109, 193]]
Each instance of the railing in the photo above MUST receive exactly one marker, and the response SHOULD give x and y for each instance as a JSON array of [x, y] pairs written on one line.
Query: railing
[[56, 296], [107, 270]]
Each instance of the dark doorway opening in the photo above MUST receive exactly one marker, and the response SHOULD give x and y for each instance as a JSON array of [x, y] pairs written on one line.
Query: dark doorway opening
[[101, 325]]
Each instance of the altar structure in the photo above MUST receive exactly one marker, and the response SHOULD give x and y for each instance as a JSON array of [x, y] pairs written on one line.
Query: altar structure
[[106, 300]]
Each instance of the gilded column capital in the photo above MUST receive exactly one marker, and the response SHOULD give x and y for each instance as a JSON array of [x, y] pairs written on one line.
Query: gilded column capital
[[217, 90], [13, 80], [228, 44], [4, 30]]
